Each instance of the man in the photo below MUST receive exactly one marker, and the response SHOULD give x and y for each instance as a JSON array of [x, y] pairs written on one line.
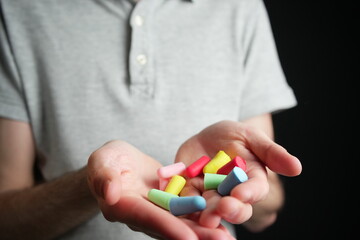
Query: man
[[158, 75]]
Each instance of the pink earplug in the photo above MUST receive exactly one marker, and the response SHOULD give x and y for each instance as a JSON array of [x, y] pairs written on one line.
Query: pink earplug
[[171, 170]]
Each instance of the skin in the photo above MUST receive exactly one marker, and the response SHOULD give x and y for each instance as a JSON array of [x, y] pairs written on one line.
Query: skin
[[113, 183], [36, 211], [257, 201]]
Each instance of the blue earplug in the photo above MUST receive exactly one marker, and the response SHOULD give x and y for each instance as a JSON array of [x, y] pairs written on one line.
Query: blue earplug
[[185, 205], [235, 177]]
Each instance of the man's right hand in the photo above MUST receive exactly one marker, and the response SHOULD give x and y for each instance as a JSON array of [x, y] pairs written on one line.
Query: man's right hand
[[120, 176]]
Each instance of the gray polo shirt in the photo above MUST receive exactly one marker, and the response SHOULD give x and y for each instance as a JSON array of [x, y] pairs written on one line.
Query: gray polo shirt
[[152, 73]]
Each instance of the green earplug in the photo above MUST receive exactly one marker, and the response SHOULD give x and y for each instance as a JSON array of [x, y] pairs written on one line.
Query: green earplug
[[161, 198], [212, 180]]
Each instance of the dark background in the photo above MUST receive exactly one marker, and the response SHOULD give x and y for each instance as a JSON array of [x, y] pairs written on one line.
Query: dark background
[[316, 45]]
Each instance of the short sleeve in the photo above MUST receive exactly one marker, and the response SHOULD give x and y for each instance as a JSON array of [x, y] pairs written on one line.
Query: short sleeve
[[266, 89], [12, 104]]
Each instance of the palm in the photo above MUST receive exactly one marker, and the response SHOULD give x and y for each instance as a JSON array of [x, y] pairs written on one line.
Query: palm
[[238, 139], [215, 138], [120, 177], [256, 148]]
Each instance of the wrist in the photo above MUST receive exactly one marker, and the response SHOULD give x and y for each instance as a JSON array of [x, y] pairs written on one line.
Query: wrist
[[81, 181]]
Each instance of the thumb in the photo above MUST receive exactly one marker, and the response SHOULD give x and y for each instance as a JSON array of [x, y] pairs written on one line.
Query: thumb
[[272, 154], [142, 215], [108, 186], [105, 184]]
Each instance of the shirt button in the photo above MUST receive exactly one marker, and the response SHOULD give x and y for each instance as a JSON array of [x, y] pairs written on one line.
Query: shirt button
[[141, 59], [138, 20]]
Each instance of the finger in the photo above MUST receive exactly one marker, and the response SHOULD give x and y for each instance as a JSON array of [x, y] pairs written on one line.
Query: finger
[[233, 210], [151, 219], [106, 183], [222, 227], [106, 167], [204, 233], [255, 188], [112, 190], [272, 154], [193, 187], [209, 216]]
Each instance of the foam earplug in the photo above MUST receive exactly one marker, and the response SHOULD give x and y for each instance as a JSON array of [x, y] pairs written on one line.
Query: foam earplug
[[185, 205], [212, 180], [175, 185], [235, 177], [175, 204], [235, 162], [171, 170], [161, 198], [219, 160], [196, 168]]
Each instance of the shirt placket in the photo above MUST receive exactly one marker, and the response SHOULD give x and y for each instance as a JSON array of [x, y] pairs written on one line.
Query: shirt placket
[[141, 63]]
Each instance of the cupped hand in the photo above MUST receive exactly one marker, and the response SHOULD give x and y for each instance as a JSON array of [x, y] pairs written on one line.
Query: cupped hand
[[120, 176], [260, 153]]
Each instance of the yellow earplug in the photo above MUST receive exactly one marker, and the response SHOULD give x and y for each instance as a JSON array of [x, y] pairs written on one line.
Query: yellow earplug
[[219, 160], [175, 185]]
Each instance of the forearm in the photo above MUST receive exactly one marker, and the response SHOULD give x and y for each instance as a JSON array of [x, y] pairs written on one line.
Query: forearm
[[46, 210]]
